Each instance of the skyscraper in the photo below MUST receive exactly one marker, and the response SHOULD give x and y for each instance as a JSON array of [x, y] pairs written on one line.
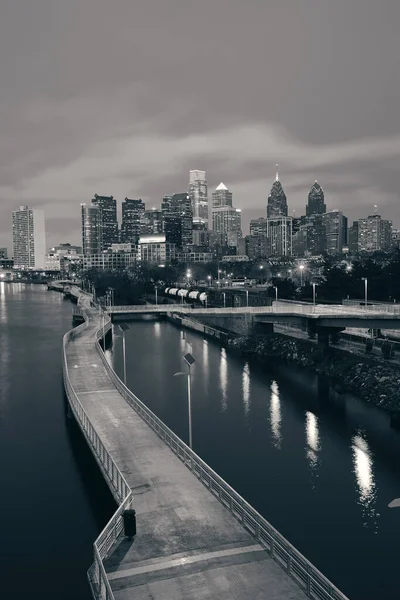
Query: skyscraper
[[336, 231], [132, 217], [92, 230], [198, 196], [221, 196], [374, 233], [316, 204], [180, 206], [353, 238], [225, 218], [109, 223], [279, 236], [29, 238], [277, 203]]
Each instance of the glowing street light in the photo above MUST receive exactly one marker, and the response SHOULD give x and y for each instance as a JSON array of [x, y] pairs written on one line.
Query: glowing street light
[[224, 295], [301, 267], [313, 291], [276, 293], [188, 358]]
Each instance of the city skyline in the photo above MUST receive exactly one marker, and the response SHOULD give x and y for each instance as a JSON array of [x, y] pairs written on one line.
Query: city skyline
[[78, 119]]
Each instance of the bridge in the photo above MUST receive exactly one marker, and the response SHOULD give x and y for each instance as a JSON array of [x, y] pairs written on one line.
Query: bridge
[[196, 537], [319, 319]]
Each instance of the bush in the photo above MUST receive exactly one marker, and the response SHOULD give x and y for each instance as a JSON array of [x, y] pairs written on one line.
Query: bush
[[369, 344], [387, 349]]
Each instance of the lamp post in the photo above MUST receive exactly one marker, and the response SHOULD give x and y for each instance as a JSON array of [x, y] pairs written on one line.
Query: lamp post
[[124, 327], [365, 280], [209, 279], [247, 297], [224, 295], [313, 292], [156, 290], [188, 358], [276, 293]]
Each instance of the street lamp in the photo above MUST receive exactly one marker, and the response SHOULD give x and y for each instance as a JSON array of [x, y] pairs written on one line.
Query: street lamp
[[247, 297], [365, 280], [224, 295], [188, 358], [124, 327], [301, 267], [209, 279], [313, 292], [276, 293], [156, 289]]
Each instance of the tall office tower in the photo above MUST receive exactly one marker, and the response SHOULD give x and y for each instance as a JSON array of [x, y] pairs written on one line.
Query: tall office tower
[[198, 196], [173, 230], [221, 196], [92, 229], [316, 204], [132, 217], [374, 233], [109, 223], [29, 238], [353, 238], [316, 235], [336, 231], [180, 205], [279, 236], [257, 245], [201, 235], [152, 222], [277, 203]]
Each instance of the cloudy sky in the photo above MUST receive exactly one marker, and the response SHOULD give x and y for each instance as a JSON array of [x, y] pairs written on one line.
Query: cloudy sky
[[125, 97]]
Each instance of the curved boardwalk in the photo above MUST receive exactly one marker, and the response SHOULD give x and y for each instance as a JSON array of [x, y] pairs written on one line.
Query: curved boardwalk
[[188, 545]]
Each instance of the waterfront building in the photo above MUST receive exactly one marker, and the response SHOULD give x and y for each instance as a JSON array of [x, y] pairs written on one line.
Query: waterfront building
[[108, 219], [155, 249], [277, 202], [198, 196], [92, 231], [336, 231], [316, 201], [29, 238], [132, 217]]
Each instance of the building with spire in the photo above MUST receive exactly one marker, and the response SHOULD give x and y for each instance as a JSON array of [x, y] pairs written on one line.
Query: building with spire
[[279, 225], [316, 201], [277, 202], [198, 196]]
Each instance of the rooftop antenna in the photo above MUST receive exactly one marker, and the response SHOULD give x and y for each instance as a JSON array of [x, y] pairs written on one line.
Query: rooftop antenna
[[375, 209], [294, 214], [277, 173]]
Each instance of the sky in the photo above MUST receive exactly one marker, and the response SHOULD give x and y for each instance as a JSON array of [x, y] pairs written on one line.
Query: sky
[[125, 97]]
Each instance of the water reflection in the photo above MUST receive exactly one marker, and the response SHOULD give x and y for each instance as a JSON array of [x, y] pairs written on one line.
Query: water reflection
[[313, 439], [363, 469], [157, 329], [223, 378], [205, 357], [246, 388], [275, 416], [3, 307]]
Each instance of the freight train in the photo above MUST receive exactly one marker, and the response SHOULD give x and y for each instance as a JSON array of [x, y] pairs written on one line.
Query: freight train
[[186, 295]]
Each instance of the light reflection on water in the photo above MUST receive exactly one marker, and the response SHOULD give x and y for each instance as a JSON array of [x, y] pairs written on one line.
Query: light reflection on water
[[205, 357], [275, 415], [157, 329], [223, 379], [363, 470], [313, 440], [246, 388]]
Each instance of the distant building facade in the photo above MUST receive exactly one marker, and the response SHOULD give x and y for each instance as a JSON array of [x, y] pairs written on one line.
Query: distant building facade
[[132, 218], [277, 202], [92, 230], [29, 238], [316, 201], [108, 219], [374, 233], [336, 231], [198, 196]]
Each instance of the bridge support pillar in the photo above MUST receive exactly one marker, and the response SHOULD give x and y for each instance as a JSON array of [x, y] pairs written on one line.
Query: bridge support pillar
[[261, 328], [323, 339]]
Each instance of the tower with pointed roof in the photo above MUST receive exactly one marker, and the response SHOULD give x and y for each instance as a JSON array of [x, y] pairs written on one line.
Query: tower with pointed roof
[[221, 196], [226, 219], [316, 200], [277, 202]]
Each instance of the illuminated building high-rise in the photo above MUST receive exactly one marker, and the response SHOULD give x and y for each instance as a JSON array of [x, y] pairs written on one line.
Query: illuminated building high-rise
[[316, 204], [198, 196], [92, 230], [29, 238], [132, 217], [108, 218], [277, 202]]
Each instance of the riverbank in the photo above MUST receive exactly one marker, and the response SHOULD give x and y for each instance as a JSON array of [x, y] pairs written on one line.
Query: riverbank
[[376, 383]]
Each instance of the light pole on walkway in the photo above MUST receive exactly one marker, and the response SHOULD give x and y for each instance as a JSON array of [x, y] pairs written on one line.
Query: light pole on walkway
[[188, 358], [313, 292], [124, 327], [155, 287], [224, 295], [276, 293], [247, 297], [301, 267], [365, 280]]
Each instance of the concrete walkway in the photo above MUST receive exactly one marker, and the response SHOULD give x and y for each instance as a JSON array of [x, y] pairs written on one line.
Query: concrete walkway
[[188, 546]]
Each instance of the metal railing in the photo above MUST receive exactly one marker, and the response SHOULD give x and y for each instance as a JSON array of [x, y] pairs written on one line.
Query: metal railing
[[120, 489], [292, 309], [310, 580]]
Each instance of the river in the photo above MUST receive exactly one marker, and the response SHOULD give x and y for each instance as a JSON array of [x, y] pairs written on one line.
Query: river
[[321, 468], [53, 500]]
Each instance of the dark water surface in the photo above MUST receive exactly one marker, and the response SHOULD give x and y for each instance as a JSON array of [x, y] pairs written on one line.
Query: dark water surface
[[321, 470], [53, 500]]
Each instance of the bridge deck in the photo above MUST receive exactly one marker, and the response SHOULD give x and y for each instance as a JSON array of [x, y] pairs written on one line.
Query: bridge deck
[[188, 546]]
